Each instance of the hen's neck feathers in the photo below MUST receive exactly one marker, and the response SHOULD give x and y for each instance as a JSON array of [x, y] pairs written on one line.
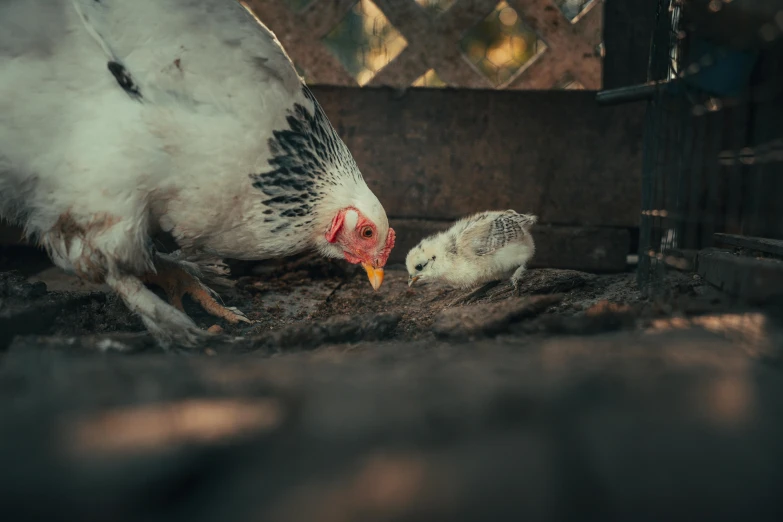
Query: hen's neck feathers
[[312, 175]]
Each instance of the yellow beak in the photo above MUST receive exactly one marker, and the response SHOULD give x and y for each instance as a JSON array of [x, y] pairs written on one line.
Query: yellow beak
[[374, 274], [412, 280]]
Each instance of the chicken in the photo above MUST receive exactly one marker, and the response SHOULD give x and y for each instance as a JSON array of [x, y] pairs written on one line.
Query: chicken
[[479, 249], [121, 119]]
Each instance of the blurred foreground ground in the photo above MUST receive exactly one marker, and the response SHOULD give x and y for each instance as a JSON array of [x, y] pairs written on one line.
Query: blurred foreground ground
[[578, 400]]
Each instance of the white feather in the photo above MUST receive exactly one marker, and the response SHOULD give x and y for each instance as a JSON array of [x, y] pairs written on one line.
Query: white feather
[[77, 153]]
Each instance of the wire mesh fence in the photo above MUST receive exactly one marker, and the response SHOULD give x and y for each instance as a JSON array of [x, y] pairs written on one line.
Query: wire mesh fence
[[713, 148]]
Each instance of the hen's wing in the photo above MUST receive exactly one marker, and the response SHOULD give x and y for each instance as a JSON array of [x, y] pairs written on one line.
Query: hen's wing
[[205, 51], [487, 233]]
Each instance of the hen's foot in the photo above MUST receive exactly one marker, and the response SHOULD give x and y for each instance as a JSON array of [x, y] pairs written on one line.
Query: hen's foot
[[177, 282], [172, 328]]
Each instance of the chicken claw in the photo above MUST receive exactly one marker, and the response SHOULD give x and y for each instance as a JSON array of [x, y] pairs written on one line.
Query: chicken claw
[[176, 282]]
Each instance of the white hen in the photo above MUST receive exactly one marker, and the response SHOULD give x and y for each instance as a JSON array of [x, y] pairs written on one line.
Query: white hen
[[478, 249], [120, 118]]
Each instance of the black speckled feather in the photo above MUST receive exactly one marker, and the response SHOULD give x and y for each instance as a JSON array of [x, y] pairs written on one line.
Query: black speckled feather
[[124, 79], [307, 158]]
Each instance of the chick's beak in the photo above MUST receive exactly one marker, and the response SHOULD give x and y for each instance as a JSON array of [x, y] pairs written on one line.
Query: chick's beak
[[412, 279], [374, 274]]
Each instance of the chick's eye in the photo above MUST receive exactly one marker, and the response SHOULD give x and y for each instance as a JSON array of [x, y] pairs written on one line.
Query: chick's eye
[[366, 232], [419, 267]]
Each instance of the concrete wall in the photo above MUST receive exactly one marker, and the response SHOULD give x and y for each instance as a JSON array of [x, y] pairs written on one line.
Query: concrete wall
[[440, 154]]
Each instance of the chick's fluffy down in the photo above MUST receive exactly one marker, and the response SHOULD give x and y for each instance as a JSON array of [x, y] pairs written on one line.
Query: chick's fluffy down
[[484, 247]]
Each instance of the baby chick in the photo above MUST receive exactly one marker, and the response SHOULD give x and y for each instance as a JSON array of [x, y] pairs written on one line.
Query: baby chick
[[481, 248]]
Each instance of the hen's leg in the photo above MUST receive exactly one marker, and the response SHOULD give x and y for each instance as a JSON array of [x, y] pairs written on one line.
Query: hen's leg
[[176, 281], [170, 326], [104, 247]]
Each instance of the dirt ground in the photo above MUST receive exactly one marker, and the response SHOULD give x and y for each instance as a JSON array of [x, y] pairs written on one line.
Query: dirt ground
[[307, 290], [579, 399]]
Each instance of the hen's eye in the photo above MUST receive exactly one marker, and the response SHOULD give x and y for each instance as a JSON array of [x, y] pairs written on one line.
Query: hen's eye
[[418, 268], [367, 232]]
